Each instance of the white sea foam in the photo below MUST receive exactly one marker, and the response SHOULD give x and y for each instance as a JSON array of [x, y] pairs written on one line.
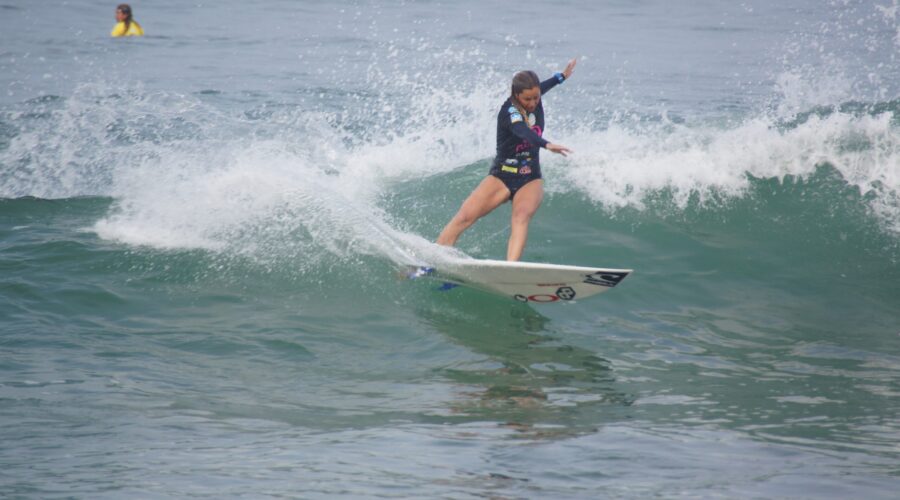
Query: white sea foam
[[261, 202], [265, 198], [622, 166], [208, 198]]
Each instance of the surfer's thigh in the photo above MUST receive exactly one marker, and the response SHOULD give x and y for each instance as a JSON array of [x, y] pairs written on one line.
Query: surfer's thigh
[[490, 194], [527, 200]]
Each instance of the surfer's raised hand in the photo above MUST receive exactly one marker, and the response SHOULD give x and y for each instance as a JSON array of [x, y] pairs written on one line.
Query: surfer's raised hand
[[558, 149], [570, 68]]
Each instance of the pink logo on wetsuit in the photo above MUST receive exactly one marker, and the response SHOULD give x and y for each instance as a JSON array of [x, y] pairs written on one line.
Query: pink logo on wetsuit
[[525, 145]]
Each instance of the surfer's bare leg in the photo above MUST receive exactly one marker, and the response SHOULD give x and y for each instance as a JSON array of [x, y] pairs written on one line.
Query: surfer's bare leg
[[524, 205], [490, 194]]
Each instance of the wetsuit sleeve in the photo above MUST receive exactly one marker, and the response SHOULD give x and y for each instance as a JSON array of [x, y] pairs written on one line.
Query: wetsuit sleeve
[[523, 131], [551, 82]]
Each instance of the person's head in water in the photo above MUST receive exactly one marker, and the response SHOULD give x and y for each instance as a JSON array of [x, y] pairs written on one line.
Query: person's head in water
[[526, 91], [123, 14]]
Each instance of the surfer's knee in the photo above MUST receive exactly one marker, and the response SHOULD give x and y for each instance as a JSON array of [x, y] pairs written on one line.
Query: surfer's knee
[[522, 215], [465, 218]]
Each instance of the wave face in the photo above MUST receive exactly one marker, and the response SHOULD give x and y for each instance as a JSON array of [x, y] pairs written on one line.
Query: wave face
[[201, 230], [187, 171]]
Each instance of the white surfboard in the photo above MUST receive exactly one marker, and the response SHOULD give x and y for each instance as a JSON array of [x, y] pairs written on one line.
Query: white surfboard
[[526, 281]]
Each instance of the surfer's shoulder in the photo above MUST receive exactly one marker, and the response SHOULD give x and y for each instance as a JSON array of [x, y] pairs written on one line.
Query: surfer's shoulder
[[133, 29], [510, 112]]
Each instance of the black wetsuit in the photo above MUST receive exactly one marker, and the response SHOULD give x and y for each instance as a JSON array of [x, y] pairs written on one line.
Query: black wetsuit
[[518, 146]]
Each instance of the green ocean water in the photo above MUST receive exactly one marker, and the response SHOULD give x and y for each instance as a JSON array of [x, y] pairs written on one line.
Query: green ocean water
[[199, 255], [777, 345]]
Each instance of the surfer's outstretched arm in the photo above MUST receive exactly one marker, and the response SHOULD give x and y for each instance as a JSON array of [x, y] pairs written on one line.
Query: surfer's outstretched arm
[[522, 131], [558, 78]]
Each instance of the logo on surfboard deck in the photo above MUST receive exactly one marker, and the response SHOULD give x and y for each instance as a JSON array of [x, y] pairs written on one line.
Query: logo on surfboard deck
[[563, 293], [540, 297], [604, 278], [566, 293]]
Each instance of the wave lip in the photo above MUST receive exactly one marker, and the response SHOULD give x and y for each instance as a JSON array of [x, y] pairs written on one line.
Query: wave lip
[[625, 166], [186, 173]]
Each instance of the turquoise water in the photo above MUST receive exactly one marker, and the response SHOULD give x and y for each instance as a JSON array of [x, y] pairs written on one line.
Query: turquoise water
[[200, 233]]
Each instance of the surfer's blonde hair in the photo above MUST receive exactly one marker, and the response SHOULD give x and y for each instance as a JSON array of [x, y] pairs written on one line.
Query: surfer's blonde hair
[[522, 81]]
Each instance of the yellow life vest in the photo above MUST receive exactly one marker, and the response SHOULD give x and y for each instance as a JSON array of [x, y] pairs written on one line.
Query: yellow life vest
[[134, 29]]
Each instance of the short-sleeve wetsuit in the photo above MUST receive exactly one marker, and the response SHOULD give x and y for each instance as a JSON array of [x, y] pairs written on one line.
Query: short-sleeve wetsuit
[[133, 29], [519, 142]]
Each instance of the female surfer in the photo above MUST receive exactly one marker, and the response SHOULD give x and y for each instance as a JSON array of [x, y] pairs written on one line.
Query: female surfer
[[516, 171], [125, 23]]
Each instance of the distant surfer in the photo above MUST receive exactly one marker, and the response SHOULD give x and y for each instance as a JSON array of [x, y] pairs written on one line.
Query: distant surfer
[[125, 23], [516, 170]]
